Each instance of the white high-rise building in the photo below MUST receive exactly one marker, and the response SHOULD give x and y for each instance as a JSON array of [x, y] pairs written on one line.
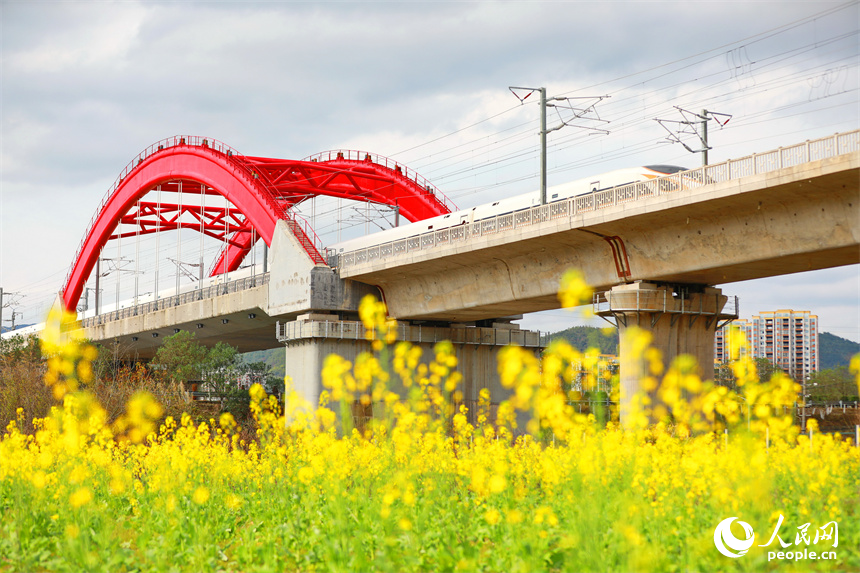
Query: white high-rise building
[[788, 338]]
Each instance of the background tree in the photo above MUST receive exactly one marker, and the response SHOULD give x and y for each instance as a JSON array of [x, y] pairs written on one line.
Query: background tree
[[219, 364], [832, 385], [724, 376], [19, 348], [584, 337], [219, 371], [22, 367], [765, 369], [180, 358]]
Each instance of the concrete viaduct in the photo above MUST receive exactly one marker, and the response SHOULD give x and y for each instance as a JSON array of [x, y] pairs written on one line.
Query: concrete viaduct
[[650, 249]]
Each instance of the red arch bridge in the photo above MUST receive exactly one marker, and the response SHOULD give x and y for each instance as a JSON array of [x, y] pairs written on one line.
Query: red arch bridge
[[257, 192], [196, 184]]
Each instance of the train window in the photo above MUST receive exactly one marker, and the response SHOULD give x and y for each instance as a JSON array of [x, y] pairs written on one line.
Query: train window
[[595, 185], [496, 203], [446, 216], [555, 195]]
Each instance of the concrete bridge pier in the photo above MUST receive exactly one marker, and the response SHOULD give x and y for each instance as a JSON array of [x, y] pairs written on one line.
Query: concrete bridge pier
[[312, 337], [681, 319]]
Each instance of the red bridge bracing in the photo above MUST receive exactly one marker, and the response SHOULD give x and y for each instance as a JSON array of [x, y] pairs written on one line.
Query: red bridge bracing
[[261, 190]]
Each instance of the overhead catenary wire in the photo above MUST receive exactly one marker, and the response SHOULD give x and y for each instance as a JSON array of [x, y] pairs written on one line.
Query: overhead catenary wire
[[503, 143]]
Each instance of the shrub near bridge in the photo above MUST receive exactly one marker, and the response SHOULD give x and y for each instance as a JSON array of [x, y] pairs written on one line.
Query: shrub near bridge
[[422, 489]]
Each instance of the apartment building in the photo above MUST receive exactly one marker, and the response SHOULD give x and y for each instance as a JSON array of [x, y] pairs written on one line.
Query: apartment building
[[788, 338]]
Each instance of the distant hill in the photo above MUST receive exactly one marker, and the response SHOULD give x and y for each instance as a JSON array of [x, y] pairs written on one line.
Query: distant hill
[[5, 329], [274, 357], [835, 351], [584, 337]]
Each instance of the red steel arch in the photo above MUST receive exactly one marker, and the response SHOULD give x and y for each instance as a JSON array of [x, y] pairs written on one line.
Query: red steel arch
[[348, 174], [261, 189]]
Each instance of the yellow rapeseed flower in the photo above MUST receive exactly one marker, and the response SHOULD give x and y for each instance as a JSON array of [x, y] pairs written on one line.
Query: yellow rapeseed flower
[[498, 483], [574, 290], [200, 496], [514, 516], [81, 497]]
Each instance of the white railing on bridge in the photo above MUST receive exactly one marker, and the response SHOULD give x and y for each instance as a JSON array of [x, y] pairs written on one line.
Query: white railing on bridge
[[757, 163], [213, 291]]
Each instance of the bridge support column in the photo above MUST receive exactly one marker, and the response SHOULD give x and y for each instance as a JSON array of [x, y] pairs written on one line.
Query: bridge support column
[[681, 319], [312, 337]]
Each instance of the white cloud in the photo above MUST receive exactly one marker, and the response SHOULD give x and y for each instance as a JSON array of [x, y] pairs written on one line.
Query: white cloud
[[73, 36], [88, 85]]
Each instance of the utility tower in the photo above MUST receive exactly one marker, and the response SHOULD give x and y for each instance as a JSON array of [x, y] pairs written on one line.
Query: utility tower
[[564, 103], [8, 302], [689, 125]]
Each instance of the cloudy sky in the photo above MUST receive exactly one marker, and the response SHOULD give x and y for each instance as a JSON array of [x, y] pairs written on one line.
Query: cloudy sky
[[87, 85]]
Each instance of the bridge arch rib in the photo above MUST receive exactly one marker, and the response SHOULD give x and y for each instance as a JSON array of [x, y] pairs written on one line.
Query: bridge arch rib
[[261, 189]]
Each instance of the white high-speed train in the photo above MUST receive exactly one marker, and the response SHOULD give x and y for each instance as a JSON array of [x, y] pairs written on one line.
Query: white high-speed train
[[555, 193], [109, 305]]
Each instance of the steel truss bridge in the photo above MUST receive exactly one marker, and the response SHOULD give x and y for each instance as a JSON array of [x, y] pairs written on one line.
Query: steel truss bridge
[[259, 191]]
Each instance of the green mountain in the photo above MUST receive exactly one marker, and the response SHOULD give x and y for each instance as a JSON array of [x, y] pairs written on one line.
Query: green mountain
[[835, 351], [584, 337], [274, 357]]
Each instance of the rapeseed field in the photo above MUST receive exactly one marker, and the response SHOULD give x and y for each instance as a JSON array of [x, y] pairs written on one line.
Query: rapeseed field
[[421, 487]]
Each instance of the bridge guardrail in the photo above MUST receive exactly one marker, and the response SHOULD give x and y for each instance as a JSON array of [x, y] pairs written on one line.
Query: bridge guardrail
[[355, 330], [663, 301], [158, 146], [355, 155], [305, 234], [176, 300], [757, 163]]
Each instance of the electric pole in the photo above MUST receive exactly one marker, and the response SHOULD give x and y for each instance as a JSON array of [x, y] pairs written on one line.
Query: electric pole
[[5, 304], [98, 276], [578, 113], [543, 146], [687, 126], [85, 305], [14, 314]]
